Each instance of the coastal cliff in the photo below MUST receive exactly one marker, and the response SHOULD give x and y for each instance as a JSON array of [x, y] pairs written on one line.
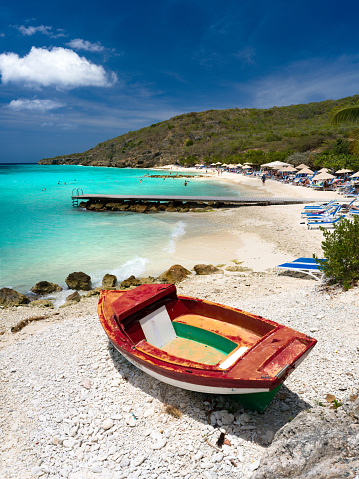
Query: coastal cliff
[[218, 134]]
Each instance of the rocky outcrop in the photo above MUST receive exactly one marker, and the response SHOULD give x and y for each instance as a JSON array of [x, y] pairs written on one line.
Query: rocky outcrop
[[238, 269], [79, 281], [143, 206], [45, 287], [130, 282], [319, 443], [148, 280], [93, 292], [207, 269], [74, 297], [109, 281], [174, 274], [10, 297]]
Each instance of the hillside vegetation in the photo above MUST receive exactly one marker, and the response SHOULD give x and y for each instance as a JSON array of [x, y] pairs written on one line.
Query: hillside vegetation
[[303, 133]]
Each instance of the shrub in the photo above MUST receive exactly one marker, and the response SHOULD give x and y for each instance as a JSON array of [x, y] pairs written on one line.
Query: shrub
[[271, 136], [341, 250]]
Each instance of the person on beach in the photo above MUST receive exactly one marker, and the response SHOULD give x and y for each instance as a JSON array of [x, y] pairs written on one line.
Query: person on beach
[[263, 179]]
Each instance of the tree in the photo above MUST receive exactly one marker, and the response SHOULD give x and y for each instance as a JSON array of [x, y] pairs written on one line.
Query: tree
[[348, 114], [341, 251]]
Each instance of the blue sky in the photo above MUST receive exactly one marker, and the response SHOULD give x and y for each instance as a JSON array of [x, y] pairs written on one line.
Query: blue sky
[[76, 73]]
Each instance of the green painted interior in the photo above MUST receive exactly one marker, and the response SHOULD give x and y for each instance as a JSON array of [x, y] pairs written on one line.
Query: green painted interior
[[206, 337]]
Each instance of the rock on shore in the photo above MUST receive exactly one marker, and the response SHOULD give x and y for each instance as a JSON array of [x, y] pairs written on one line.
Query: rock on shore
[[319, 443]]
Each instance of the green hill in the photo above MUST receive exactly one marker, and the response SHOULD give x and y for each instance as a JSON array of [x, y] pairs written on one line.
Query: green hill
[[229, 136]]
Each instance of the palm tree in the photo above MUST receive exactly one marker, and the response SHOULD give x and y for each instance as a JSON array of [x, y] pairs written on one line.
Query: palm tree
[[346, 114]]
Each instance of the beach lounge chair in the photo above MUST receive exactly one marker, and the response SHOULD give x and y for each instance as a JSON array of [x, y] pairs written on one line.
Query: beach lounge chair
[[325, 209], [303, 265], [308, 260], [326, 215], [319, 207], [325, 224]]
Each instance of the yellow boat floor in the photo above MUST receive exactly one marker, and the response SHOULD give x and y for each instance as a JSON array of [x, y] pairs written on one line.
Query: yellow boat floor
[[193, 351]]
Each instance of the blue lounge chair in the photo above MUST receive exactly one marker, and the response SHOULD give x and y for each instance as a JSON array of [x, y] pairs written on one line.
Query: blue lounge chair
[[326, 209], [319, 207], [308, 260], [325, 224], [326, 216], [310, 268]]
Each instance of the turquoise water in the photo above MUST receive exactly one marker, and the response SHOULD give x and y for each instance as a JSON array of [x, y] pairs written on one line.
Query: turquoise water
[[44, 238]]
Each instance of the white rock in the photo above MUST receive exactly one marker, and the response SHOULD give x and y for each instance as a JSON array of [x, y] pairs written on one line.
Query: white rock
[[159, 444], [139, 460], [125, 462], [36, 471], [149, 412], [131, 421], [68, 443], [112, 450], [96, 468], [107, 424], [254, 465]]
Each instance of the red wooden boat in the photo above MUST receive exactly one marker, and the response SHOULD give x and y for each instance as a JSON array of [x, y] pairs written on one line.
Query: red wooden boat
[[202, 346]]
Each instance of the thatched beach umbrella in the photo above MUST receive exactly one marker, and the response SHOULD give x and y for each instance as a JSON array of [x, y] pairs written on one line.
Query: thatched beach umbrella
[[344, 170], [305, 171], [323, 170], [323, 176], [287, 169], [276, 164], [356, 175], [301, 166], [247, 167]]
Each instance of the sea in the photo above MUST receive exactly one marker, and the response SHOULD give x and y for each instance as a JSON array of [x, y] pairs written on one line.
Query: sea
[[43, 237]]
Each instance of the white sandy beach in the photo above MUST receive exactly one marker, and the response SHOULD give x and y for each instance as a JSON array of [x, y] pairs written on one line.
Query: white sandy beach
[[60, 382]]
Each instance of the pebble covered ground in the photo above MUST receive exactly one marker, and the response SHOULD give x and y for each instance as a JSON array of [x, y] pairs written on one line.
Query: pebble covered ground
[[72, 407]]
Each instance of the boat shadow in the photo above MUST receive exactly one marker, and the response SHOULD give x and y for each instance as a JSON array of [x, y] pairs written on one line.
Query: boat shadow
[[169, 403]]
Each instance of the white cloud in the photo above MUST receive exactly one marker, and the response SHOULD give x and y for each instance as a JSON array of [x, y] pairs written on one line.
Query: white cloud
[[59, 67], [34, 105], [79, 44], [29, 31]]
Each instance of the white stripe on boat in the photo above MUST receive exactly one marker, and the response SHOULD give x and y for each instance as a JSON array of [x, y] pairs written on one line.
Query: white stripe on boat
[[192, 387], [232, 358]]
